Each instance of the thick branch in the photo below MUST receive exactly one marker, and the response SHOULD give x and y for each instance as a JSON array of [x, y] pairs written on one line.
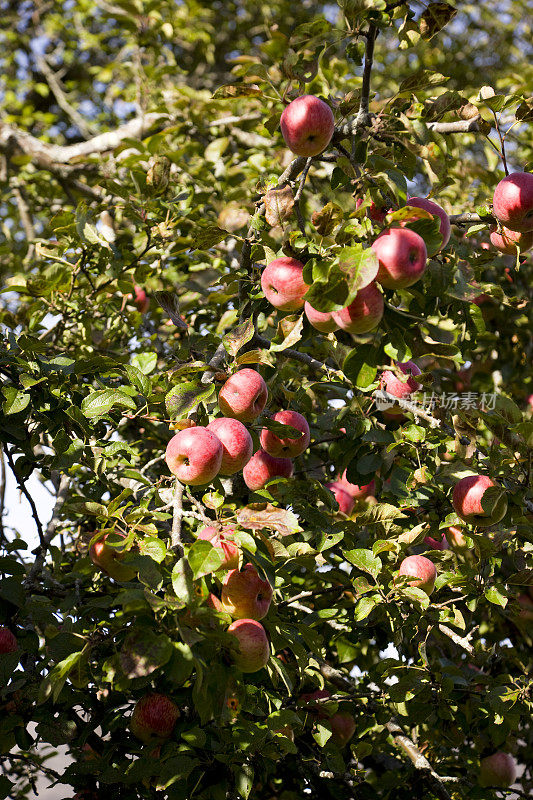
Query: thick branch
[[460, 126], [469, 217], [176, 518], [363, 117]]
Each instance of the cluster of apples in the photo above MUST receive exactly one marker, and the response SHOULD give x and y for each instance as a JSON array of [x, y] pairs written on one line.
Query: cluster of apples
[[197, 454]]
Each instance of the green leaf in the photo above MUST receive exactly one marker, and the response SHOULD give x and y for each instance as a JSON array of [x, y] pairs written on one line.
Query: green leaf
[[422, 79], [364, 608], [204, 558], [336, 283], [153, 547], [244, 780], [238, 337], [102, 401], [361, 365], [15, 401], [497, 596], [185, 397], [145, 362], [322, 733], [434, 18], [143, 652], [365, 561], [139, 380]]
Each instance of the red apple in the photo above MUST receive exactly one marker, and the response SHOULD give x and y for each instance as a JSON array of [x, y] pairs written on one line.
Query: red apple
[[342, 722], [307, 125], [437, 544], [321, 320], [237, 445], [8, 641], [141, 299], [286, 447], [243, 396], [402, 258], [221, 539], [283, 284], [374, 212], [364, 313], [508, 241], [253, 646], [109, 559], [194, 456], [245, 594], [422, 568], [512, 203], [263, 468], [499, 769], [436, 211], [393, 385], [466, 499], [153, 718], [355, 491], [344, 500], [213, 602]]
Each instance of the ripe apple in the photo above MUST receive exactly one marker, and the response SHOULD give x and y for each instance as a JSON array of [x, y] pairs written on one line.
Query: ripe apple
[[526, 606], [498, 769], [364, 313], [456, 538], [237, 445], [213, 602], [393, 385], [436, 211], [153, 718], [466, 500], [283, 284], [321, 320], [307, 125], [263, 468], [342, 722], [109, 559], [8, 641], [141, 299], [344, 500], [422, 568], [245, 594], [512, 203], [436, 544], [243, 396], [508, 241], [402, 257], [355, 491], [194, 455], [253, 646], [285, 447], [373, 212], [221, 539]]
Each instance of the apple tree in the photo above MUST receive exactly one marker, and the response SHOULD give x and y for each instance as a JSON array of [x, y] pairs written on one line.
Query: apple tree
[[267, 341]]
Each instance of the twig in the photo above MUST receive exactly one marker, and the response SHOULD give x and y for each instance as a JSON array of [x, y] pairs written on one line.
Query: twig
[[298, 195], [51, 528], [313, 593], [363, 118], [27, 495], [460, 126], [62, 101], [201, 509], [175, 538], [462, 641], [2, 491]]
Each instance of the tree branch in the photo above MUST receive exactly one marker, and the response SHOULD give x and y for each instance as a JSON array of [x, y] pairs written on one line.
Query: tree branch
[[61, 97], [460, 126], [27, 495], [469, 217], [51, 528], [363, 118], [175, 538]]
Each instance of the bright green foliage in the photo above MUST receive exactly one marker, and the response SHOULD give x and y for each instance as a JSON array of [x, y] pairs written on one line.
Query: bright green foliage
[[93, 389]]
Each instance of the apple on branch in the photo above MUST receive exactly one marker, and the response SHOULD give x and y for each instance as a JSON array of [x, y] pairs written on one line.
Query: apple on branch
[[509, 242], [467, 499], [246, 594], [512, 202], [364, 313], [344, 500], [358, 493], [109, 559], [221, 538], [436, 211], [283, 284], [397, 387], [285, 447], [402, 258], [321, 320], [243, 396], [498, 769], [237, 445], [8, 641], [262, 468], [154, 718], [342, 723], [253, 648], [194, 456], [422, 571], [373, 212], [307, 125]]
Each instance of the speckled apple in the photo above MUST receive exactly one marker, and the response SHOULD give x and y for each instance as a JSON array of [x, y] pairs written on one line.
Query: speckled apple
[[364, 313], [194, 456], [283, 284], [307, 125], [421, 569], [466, 499], [253, 649], [109, 559], [221, 538], [154, 718], [402, 258], [245, 594], [262, 468], [243, 396], [509, 242], [321, 320], [512, 203], [237, 445], [284, 447]]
